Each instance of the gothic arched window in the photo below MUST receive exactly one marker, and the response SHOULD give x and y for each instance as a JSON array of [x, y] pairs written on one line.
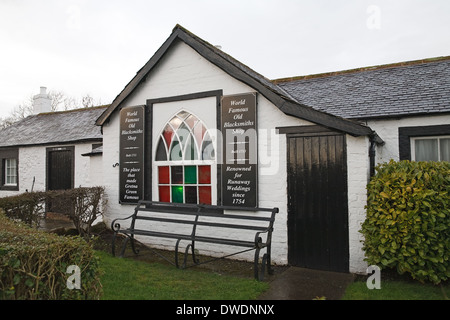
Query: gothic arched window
[[184, 155]]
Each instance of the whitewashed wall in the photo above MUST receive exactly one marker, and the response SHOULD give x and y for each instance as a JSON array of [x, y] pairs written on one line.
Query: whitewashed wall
[[358, 176], [32, 165], [183, 71], [388, 131]]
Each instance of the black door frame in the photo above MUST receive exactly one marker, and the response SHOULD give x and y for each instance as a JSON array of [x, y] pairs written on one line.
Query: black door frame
[[47, 162]]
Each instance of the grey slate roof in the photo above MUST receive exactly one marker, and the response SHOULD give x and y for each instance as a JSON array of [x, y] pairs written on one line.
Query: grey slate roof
[[410, 88], [54, 128]]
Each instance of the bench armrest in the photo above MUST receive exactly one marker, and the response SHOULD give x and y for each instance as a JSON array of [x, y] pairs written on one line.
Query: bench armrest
[[115, 226], [258, 239]]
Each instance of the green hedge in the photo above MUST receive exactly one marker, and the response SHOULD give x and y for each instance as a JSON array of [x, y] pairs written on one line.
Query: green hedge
[[33, 264], [82, 205], [28, 207], [408, 219]]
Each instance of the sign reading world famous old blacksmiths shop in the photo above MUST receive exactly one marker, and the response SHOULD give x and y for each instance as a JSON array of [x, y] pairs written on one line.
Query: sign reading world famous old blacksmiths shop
[[240, 156], [132, 154]]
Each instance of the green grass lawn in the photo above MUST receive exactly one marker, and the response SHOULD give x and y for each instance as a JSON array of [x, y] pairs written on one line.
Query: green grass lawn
[[397, 290], [128, 279]]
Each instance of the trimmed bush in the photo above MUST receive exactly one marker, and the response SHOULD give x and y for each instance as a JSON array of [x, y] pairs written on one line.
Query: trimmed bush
[[33, 264], [27, 207], [82, 205], [408, 219]]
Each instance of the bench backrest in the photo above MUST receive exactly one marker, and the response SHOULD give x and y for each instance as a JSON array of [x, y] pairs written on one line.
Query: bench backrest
[[179, 212]]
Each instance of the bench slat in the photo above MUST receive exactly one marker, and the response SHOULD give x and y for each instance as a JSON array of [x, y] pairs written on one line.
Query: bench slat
[[203, 223], [240, 243], [203, 213]]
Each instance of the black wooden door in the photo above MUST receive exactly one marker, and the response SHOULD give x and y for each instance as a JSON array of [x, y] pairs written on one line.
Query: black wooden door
[[60, 170], [60, 175], [317, 202]]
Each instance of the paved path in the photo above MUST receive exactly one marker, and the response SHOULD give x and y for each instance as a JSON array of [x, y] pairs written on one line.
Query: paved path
[[306, 284]]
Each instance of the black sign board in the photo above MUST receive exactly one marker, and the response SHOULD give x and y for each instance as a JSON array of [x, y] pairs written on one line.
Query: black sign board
[[240, 156], [132, 154]]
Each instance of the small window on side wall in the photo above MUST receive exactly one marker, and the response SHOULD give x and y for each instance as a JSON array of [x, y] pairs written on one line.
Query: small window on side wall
[[430, 148], [9, 169], [10, 172]]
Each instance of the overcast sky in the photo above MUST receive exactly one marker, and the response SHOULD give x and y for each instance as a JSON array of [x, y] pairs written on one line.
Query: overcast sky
[[95, 47]]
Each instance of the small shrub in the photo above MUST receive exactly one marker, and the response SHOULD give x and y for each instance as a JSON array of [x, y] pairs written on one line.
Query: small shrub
[[33, 264], [82, 205], [27, 207], [408, 219]]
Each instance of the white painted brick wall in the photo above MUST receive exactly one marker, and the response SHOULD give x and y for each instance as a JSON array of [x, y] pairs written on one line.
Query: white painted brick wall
[[358, 177], [183, 71], [32, 165], [388, 131]]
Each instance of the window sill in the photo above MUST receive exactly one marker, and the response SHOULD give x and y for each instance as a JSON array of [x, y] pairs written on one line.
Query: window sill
[[9, 188]]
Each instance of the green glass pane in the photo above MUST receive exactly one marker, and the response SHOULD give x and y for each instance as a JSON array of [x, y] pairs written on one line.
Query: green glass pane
[[208, 148], [177, 194], [191, 150], [175, 151], [183, 133], [190, 174]]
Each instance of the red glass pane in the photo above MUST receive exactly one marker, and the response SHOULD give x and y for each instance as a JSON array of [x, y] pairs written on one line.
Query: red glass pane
[[164, 193], [204, 174], [204, 195], [191, 121], [199, 132], [163, 175], [168, 133]]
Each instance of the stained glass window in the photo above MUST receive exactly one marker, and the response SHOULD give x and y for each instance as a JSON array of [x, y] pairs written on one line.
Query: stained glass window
[[183, 157]]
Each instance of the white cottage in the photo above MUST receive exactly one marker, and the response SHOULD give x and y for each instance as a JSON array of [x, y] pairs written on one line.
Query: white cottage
[[312, 165], [51, 150], [318, 140]]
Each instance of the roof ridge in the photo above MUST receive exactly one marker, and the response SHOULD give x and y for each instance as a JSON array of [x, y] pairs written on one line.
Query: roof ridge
[[74, 110], [362, 69]]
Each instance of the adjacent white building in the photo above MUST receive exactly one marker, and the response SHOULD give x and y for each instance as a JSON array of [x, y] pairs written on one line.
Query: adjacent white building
[[51, 150]]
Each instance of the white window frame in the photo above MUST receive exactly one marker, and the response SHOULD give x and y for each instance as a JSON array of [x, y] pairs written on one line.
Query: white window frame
[[413, 145], [183, 163], [10, 169]]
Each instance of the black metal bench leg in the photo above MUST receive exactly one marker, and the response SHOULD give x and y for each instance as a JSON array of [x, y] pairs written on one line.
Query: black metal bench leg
[[133, 245], [124, 246], [113, 245], [194, 258], [256, 263], [176, 254], [186, 253], [269, 261]]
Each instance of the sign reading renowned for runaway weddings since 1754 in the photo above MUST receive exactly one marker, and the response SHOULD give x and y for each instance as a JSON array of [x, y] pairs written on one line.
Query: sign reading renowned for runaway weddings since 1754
[[132, 154], [240, 156]]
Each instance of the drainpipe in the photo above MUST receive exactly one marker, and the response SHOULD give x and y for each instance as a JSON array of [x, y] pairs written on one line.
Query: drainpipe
[[372, 153]]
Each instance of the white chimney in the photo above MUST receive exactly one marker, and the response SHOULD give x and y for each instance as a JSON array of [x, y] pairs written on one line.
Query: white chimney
[[42, 102]]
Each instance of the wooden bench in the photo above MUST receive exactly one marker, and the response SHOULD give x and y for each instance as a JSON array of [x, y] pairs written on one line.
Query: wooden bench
[[169, 216]]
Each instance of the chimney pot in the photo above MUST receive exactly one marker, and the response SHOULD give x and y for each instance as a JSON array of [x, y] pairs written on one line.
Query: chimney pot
[[42, 102]]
